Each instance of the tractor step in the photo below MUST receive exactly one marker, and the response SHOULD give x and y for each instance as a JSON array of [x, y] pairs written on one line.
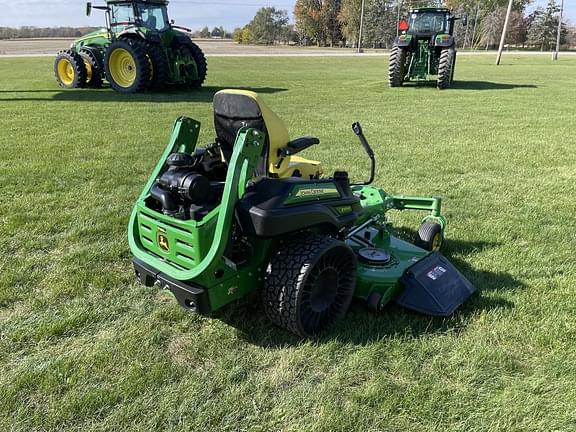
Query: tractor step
[[433, 286]]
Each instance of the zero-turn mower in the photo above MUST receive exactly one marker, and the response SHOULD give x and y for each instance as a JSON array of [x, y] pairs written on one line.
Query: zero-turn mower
[[247, 213]]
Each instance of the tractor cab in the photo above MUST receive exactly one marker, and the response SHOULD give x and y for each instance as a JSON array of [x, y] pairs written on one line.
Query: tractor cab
[[152, 16], [427, 22]]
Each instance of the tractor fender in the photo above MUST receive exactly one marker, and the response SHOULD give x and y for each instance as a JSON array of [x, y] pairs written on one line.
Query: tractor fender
[[444, 40], [403, 40], [136, 33], [180, 38]]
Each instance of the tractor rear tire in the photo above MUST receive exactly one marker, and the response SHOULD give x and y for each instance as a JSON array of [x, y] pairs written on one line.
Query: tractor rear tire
[[159, 74], [196, 53], [397, 67], [309, 283], [94, 69], [430, 236], [69, 69], [446, 67], [127, 66]]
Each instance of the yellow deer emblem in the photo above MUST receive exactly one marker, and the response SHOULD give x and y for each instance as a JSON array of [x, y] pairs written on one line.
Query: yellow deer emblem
[[163, 242]]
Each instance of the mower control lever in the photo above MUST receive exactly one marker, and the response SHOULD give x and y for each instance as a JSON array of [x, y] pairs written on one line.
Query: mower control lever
[[360, 134]]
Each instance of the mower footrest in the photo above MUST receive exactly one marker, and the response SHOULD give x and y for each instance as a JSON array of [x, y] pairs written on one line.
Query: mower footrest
[[190, 297], [434, 286]]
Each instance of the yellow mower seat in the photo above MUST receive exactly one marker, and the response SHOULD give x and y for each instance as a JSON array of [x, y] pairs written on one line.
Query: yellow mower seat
[[234, 109]]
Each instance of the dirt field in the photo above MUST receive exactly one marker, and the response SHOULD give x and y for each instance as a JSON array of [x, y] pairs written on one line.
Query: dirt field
[[39, 47]]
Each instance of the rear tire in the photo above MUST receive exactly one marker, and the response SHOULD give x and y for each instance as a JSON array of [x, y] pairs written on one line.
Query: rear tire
[[69, 69], [193, 51], [446, 67], [397, 66], [430, 236], [160, 72], [127, 66], [309, 283]]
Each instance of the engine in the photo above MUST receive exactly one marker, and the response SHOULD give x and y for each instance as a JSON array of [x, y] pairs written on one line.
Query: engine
[[190, 186]]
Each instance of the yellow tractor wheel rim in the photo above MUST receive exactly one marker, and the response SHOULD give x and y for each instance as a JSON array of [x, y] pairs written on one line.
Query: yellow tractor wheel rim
[[437, 242], [88, 71], [122, 67], [66, 71]]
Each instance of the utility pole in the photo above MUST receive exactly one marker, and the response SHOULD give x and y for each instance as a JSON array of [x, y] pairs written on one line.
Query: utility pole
[[555, 55], [398, 17], [361, 25], [502, 39]]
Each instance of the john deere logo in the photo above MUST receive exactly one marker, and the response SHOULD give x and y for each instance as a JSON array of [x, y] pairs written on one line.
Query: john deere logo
[[163, 242]]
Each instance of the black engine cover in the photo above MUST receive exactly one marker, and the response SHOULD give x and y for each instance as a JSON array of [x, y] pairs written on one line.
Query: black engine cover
[[264, 212]]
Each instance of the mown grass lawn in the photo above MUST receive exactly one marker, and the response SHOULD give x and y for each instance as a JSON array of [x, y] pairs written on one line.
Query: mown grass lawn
[[83, 347]]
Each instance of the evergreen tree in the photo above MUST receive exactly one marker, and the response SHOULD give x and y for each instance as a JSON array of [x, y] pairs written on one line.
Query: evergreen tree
[[543, 28]]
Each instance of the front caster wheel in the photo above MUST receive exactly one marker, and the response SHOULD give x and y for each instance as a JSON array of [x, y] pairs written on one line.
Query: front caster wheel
[[309, 283], [430, 236]]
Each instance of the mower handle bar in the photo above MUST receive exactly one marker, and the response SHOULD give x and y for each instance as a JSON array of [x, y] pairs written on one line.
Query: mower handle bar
[[357, 128]]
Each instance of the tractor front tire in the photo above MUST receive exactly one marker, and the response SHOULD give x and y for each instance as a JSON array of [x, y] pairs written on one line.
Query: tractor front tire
[[69, 69], [309, 283], [127, 66], [397, 69], [94, 70], [430, 236], [446, 68]]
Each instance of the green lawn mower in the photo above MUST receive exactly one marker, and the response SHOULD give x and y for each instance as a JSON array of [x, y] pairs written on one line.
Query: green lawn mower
[[140, 48], [426, 47], [247, 213]]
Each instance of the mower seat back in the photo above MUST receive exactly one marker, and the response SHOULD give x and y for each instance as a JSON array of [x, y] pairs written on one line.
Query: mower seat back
[[235, 109]]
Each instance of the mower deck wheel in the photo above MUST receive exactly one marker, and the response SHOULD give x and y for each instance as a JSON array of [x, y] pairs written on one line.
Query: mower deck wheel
[[430, 236], [309, 283], [374, 302]]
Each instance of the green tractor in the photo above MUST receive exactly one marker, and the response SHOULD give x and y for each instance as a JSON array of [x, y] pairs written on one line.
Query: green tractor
[[246, 214], [140, 48], [424, 48]]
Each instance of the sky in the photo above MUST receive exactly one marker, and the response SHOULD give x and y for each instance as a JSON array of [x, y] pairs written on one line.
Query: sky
[[189, 13]]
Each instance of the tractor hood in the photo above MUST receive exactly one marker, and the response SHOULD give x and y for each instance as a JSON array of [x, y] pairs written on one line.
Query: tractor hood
[[433, 286], [102, 33]]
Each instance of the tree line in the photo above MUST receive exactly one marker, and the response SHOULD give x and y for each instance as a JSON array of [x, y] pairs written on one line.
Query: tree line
[[336, 23], [44, 32]]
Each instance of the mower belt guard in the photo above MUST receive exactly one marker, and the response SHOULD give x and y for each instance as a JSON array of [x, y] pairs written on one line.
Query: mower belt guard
[[188, 296], [433, 286]]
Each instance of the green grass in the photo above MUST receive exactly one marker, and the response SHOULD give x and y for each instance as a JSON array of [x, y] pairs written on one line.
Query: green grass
[[83, 347]]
